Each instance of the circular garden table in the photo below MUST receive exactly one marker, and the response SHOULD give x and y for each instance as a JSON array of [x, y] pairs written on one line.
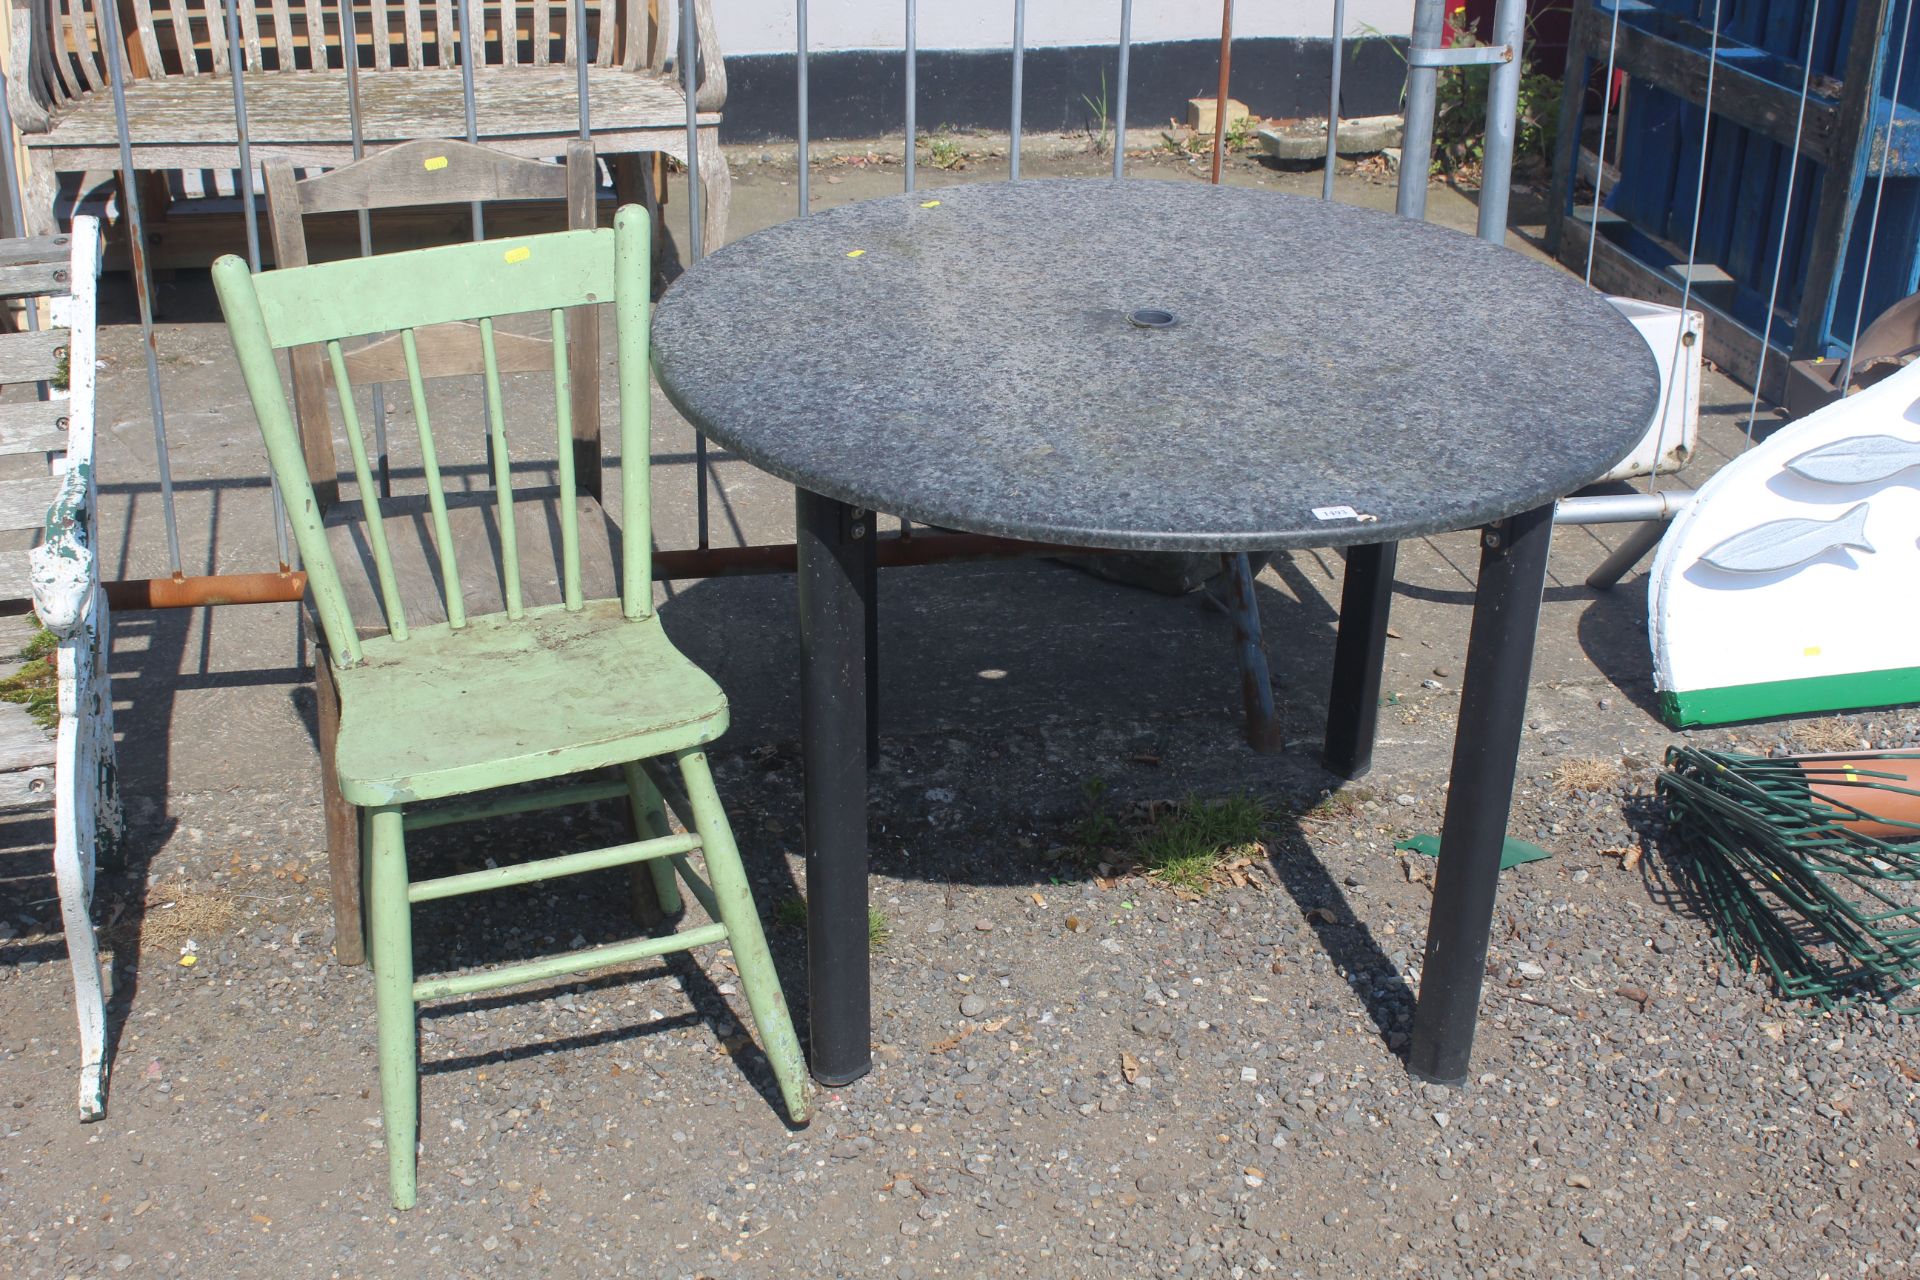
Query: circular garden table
[[1158, 366]]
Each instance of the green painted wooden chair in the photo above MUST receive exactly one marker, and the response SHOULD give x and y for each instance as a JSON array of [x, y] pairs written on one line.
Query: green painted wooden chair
[[477, 703]]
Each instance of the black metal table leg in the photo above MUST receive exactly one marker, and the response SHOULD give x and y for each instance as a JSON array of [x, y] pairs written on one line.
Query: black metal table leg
[[835, 554], [1486, 749], [1359, 653], [870, 630]]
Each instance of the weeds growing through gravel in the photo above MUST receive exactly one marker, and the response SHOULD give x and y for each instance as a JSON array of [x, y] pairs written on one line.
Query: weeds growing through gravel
[[1185, 845], [1189, 845], [791, 913], [1585, 773], [1831, 733], [36, 685]]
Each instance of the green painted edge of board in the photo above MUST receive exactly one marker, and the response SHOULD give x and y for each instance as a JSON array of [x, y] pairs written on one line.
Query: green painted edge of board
[[1730, 704]]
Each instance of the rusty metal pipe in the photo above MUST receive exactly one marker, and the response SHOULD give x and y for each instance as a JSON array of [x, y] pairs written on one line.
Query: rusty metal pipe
[[191, 593], [1220, 97]]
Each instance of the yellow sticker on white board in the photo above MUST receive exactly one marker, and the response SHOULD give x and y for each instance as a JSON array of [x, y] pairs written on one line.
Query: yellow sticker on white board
[[520, 254], [436, 162]]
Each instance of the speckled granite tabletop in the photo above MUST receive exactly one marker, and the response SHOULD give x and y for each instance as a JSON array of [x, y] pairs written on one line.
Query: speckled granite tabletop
[[972, 358]]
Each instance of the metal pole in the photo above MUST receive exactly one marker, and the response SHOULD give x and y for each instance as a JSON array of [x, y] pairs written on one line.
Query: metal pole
[[1486, 747], [1621, 559], [236, 68], [580, 69], [1256, 685], [1503, 106], [1220, 95], [913, 84], [696, 240], [142, 282], [1622, 508], [800, 96], [467, 44], [1019, 85], [1120, 90], [1423, 85], [1333, 95], [350, 62], [833, 543]]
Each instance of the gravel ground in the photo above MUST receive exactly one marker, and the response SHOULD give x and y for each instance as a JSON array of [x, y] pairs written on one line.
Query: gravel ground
[[1076, 1074]]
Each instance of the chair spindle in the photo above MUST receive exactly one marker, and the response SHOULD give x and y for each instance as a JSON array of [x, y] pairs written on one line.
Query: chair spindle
[[436, 496], [369, 495]]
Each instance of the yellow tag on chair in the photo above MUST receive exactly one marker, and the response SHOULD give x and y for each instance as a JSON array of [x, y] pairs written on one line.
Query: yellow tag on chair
[[520, 254], [436, 162]]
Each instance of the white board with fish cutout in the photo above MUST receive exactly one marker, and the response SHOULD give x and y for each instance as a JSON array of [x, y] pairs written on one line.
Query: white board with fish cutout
[[1788, 584]]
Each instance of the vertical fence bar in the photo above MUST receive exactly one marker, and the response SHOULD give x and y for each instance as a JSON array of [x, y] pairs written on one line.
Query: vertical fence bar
[[696, 240], [1120, 90], [580, 73], [236, 69], [1503, 105], [1220, 94], [913, 86], [467, 43], [1423, 85], [802, 119], [142, 278], [350, 63], [1019, 85], [1333, 96]]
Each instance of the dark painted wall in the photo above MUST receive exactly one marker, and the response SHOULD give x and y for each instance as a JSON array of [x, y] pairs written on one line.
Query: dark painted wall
[[858, 93]]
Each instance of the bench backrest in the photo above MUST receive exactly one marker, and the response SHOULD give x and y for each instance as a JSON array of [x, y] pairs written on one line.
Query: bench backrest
[[189, 37]]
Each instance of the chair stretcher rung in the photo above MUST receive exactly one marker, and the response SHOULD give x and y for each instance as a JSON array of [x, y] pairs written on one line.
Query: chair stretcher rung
[[570, 864], [552, 798], [572, 962]]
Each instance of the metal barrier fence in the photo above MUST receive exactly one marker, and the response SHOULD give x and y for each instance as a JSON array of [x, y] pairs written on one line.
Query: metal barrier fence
[[1426, 59]]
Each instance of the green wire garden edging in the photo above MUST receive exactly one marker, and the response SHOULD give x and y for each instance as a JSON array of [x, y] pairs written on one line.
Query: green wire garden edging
[[1831, 914]]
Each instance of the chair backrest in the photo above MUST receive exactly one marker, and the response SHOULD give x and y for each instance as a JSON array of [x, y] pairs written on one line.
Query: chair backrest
[[426, 173], [189, 37], [406, 293]]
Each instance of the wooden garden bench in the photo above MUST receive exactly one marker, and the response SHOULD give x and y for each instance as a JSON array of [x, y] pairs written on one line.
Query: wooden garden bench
[[180, 99], [72, 773]]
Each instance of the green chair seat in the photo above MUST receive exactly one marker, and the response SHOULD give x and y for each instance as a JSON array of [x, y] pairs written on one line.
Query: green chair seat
[[501, 702]]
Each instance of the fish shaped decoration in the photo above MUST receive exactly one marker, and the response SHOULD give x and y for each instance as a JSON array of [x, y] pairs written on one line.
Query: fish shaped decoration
[[1784, 544], [1857, 460]]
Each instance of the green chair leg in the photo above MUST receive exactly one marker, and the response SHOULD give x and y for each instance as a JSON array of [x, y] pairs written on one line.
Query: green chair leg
[[735, 902], [392, 920], [363, 825], [650, 819]]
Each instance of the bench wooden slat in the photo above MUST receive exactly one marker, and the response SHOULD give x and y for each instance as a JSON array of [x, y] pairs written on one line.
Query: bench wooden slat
[[51, 250], [26, 789], [216, 21], [147, 47], [292, 110], [30, 357], [32, 279], [33, 426], [23, 505], [23, 744]]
